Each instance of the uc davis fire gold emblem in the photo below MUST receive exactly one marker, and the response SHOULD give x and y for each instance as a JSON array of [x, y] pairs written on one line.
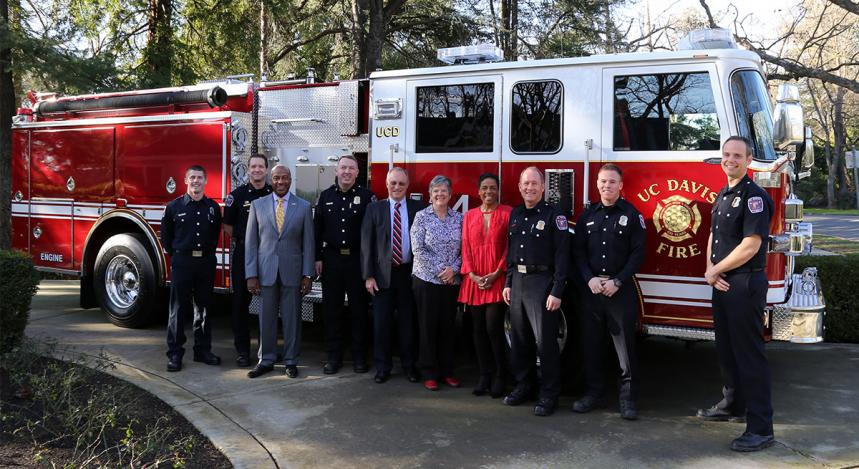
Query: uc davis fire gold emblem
[[676, 218]]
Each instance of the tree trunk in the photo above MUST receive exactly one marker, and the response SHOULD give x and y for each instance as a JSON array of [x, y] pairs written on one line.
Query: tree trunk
[[159, 48], [263, 41], [839, 135], [359, 39], [7, 110], [375, 38]]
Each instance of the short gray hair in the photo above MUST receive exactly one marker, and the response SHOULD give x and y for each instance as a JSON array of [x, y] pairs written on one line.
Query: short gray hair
[[439, 180]]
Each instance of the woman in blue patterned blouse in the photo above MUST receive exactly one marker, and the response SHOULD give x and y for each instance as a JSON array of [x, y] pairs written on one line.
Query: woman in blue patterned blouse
[[436, 242]]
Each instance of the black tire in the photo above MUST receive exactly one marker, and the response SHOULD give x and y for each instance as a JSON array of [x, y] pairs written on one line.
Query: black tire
[[124, 281]]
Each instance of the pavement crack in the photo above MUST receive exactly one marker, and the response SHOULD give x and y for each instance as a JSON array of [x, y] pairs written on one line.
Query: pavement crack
[[802, 453]]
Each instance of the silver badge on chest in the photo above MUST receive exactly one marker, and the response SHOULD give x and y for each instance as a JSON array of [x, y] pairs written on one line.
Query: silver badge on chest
[[541, 225], [736, 202], [623, 220]]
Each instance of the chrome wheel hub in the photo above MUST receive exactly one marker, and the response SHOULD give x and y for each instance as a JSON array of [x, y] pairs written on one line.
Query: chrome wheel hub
[[122, 282]]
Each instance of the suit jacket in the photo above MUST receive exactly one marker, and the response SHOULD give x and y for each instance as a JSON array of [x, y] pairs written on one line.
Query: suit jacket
[[376, 239], [289, 252]]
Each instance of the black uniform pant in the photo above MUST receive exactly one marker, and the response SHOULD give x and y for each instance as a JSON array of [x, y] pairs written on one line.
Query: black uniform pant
[[192, 281], [391, 305], [738, 318], [534, 333], [241, 299], [436, 327], [487, 322], [342, 275], [617, 317]]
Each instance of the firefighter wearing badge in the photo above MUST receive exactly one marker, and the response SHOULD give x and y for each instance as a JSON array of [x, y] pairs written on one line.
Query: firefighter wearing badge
[[339, 213], [609, 249], [237, 206], [190, 229], [537, 259], [736, 259]]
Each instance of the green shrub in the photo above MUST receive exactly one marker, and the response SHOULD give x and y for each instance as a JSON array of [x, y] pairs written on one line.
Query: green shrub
[[18, 283], [838, 276]]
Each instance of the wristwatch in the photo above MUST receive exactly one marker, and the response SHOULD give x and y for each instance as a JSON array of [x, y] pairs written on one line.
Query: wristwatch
[[617, 282]]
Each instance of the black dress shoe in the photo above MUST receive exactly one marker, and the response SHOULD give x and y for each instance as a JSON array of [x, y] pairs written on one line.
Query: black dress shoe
[[482, 385], [750, 442], [381, 377], [360, 368], [545, 407], [259, 370], [413, 376], [208, 358], [291, 371], [519, 395], [715, 414], [174, 364], [331, 368], [587, 403], [628, 410], [243, 360]]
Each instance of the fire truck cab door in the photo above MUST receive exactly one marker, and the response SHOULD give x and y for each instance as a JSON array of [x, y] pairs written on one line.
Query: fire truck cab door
[[453, 127]]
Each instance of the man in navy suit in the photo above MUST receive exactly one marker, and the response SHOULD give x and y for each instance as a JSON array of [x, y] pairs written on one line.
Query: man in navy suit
[[386, 265], [279, 255]]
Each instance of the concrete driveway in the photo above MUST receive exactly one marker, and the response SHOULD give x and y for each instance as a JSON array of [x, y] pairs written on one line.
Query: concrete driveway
[[346, 420]]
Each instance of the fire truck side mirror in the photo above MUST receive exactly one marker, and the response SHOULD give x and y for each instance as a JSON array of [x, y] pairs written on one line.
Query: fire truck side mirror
[[788, 125], [808, 151]]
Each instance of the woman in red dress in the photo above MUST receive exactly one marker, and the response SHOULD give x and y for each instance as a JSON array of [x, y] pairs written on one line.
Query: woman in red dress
[[484, 265]]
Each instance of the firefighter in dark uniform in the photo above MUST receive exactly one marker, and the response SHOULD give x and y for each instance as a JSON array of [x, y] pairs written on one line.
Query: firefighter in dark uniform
[[609, 248], [237, 206], [338, 218], [190, 230], [537, 258], [736, 258]]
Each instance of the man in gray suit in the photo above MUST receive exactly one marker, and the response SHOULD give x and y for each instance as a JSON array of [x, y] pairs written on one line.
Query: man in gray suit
[[279, 255]]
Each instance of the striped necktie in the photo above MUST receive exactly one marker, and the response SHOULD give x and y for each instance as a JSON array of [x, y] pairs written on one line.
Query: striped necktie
[[397, 245], [278, 215]]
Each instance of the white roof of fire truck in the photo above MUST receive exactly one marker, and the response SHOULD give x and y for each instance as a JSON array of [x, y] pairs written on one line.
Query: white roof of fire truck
[[631, 58]]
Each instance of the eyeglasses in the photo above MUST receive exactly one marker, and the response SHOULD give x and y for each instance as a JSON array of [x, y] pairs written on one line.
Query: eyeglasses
[[397, 183]]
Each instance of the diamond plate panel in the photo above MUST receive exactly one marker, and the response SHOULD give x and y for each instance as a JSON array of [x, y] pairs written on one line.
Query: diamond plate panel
[[240, 144], [311, 116]]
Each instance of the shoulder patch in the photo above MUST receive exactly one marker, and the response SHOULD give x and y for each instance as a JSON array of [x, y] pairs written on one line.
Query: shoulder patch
[[229, 200], [561, 222], [756, 204], [641, 219]]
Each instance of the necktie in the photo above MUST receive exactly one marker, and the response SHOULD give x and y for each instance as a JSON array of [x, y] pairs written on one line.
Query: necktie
[[278, 215], [397, 245]]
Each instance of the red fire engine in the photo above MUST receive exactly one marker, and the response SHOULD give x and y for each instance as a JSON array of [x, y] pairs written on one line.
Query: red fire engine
[[92, 174]]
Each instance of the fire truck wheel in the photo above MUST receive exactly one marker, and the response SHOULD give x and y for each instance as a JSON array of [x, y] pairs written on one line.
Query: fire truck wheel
[[124, 281]]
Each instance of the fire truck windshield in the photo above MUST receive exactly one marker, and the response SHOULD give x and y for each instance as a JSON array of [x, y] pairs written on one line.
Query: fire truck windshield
[[754, 112]]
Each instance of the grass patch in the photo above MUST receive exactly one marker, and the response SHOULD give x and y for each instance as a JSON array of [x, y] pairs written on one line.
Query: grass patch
[[836, 244], [830, 211]]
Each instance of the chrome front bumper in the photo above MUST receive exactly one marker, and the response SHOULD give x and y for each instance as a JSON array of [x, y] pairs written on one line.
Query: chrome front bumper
[[800, 319]]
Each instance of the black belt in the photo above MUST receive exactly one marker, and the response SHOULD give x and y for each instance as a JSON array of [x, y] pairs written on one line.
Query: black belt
[[194, 253], [531, 269], [745, 270]]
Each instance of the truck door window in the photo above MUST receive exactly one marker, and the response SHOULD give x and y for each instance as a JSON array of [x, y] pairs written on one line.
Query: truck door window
[[535, 119], [754, 115], [671, 111], [455, 118]]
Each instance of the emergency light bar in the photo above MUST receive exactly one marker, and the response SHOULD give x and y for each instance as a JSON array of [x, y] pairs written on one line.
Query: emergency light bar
[[480, 53], [716, 38]]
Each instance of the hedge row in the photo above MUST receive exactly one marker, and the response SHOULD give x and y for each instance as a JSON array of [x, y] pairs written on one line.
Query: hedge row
[[839, 276], [18, 283]]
